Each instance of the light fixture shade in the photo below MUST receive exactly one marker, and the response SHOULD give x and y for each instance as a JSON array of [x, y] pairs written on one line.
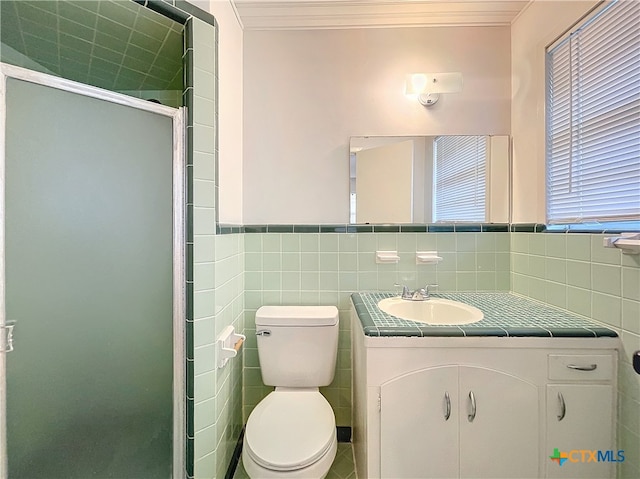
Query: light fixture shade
[[417, 83]]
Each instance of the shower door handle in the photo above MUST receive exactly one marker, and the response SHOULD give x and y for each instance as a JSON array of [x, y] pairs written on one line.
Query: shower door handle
[[6, 346]]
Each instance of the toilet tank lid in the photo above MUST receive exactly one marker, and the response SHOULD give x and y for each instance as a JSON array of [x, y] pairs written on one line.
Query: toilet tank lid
[[297, 315]]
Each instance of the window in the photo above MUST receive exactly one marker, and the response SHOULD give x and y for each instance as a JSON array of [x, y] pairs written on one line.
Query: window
[[593, 119], [459, 178]]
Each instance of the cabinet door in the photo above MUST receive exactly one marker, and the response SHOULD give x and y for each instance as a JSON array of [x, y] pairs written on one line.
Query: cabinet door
[[419, 425], [499, 427], [580, 418]]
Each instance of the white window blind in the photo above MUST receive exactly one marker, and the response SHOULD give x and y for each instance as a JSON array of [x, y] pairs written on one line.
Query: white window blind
[[593, 119], [459, 178]]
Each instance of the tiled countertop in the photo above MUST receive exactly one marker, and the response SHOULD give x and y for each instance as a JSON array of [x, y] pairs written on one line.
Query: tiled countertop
[[505, 314]]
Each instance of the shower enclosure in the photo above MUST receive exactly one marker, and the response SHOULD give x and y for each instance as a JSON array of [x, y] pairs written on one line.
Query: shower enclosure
[[91, 282]]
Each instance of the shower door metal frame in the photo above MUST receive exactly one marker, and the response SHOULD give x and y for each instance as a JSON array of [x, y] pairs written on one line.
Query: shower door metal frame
[[179, 247]]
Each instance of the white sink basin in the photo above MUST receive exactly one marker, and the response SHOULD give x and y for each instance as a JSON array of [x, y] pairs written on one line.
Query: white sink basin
[[435, 311]]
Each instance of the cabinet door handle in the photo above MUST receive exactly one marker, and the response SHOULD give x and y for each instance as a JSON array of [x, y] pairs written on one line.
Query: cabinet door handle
[[447, 406], [590, 367], [563, 407], [472, 402]]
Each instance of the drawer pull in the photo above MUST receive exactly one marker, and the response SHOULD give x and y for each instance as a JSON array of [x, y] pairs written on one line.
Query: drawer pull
[[563, 407], [590, 367], [447, 402]]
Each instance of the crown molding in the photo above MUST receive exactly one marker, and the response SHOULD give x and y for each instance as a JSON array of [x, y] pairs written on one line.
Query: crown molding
[[333, 14]]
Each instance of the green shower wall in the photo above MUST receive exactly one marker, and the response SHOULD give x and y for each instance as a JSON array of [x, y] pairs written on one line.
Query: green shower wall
[[216, 265], [171, 98]]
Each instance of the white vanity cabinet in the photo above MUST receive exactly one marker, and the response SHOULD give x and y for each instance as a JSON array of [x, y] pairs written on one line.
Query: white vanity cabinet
[[459, 421], [416, 424], [481, 407], [580, 412]]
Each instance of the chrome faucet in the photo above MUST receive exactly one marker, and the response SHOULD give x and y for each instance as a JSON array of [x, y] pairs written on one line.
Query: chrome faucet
[[421, 294], [427, 292], [406, 294]]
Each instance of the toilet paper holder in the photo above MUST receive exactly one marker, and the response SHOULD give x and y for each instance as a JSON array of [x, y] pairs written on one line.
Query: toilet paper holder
[[228, 344]]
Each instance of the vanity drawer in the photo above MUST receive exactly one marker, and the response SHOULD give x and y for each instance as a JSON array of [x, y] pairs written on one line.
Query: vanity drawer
[[581, 367]]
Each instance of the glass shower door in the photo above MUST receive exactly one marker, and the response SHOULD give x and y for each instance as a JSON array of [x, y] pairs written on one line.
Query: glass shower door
[[89, 282]]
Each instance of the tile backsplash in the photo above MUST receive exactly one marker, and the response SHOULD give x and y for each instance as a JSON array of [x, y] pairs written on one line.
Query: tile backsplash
[[575, 272], [316, 263]]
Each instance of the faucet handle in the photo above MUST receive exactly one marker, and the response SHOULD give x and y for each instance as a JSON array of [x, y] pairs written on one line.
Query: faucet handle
[[428, 288], [405, 290]]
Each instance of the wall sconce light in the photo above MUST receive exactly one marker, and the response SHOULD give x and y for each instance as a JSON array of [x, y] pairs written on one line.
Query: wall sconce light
[[426, 87]]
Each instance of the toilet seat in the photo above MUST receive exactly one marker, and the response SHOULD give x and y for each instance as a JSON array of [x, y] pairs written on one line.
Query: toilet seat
[[290, 430]]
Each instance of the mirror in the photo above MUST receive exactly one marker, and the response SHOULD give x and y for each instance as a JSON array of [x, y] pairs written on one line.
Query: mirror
[[429, 179]]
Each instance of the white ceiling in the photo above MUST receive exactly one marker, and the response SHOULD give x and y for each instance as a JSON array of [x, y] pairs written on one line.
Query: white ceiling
[[312, 14]]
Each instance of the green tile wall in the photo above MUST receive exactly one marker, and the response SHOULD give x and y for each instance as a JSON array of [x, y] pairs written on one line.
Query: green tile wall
[[574, 271], [325, 268], [218, 275], [172, 98], [116, 45], [219, 288]]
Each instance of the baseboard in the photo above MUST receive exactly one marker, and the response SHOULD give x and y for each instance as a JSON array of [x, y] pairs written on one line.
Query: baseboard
[[343, 433], [235, 458]]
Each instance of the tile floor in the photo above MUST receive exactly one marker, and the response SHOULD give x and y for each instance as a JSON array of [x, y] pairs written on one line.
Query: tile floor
[[342, 468]]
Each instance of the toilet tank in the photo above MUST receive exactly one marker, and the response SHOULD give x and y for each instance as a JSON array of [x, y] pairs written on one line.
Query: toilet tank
[[297, 345]]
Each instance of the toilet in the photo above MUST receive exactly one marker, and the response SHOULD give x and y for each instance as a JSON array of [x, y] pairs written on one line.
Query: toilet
[[291, 433]]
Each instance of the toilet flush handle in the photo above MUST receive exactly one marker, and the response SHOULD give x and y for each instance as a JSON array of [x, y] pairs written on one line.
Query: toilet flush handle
[[263, 332]]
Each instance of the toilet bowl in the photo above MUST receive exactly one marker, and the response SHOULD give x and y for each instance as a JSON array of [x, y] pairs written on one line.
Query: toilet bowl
[[290, 434]]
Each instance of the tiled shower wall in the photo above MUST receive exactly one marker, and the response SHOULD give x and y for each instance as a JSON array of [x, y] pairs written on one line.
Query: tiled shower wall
[[171, 98], [216, 278], [325, 268], [575, 272]]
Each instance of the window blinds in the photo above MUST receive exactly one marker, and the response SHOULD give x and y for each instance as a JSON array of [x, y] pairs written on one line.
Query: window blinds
[[459, 178], [593, 119]]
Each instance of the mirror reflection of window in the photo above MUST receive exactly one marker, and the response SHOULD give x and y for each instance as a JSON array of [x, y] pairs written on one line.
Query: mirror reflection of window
[[459, 178]]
